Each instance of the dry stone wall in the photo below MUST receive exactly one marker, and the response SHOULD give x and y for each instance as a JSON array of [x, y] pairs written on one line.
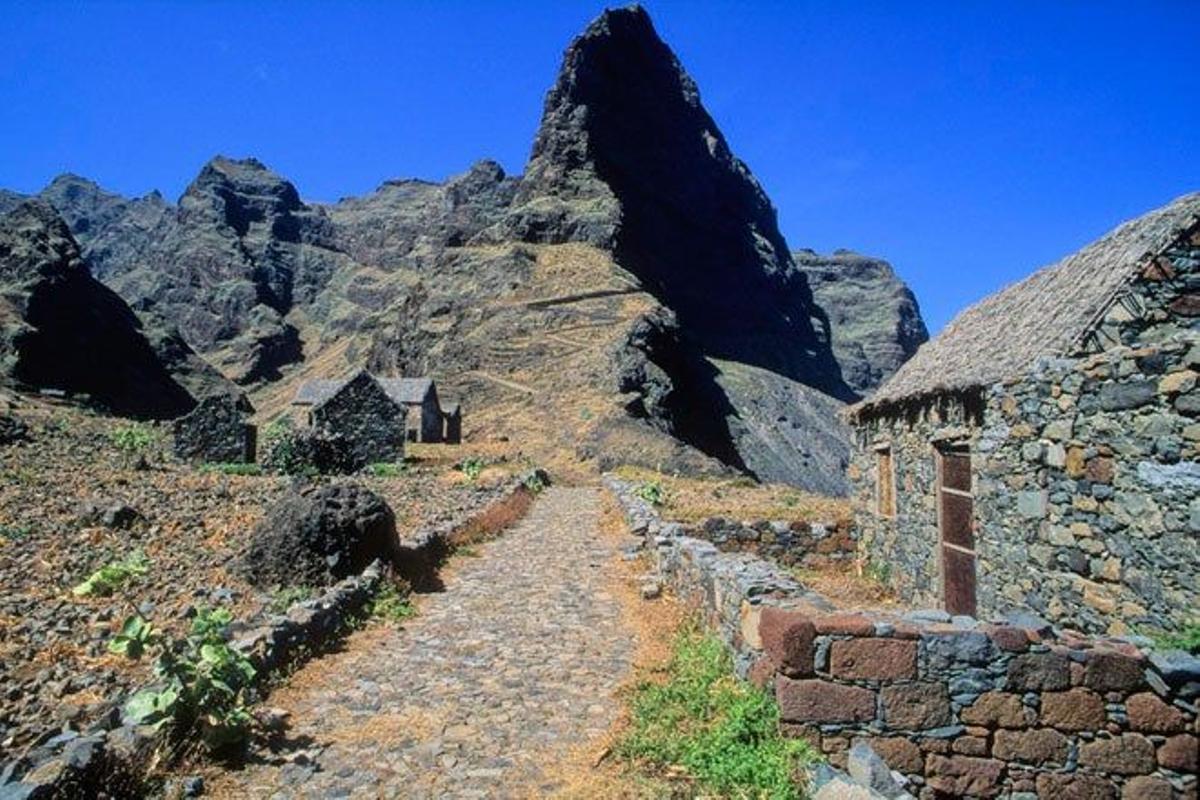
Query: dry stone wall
[[1086, 472], [959, 707]]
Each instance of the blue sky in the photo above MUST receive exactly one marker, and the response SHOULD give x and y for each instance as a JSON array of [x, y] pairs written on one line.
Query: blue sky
[[966, 142]]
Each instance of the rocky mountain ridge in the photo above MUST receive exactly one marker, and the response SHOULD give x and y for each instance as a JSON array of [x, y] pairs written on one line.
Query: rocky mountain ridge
[[633, 281]]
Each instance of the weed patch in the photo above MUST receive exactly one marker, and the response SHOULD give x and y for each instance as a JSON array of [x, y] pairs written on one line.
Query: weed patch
[[722, 732], [113, 576], [391, 602]]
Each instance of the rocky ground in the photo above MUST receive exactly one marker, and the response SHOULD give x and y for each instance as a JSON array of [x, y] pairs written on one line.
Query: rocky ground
[[71, 501], [493, 684]]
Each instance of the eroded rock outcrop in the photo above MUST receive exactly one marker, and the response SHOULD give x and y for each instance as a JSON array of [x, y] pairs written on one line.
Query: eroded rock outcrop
[[874, 318], [61, 328]]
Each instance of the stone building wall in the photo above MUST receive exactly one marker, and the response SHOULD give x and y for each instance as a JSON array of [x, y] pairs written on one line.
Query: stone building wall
[[960, 708], [1086, 472], [369, 421], [788, 543], [216, 431]]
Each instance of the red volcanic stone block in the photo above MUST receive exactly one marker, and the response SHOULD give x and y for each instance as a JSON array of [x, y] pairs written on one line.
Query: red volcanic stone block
[[1074, 710], [844, 624], [1109, 671], [1180, 753], [916, 706], [1006, 637], [1075, 786], [787, 638], [1036, 672], [1144, 787], [1150, 715], [1037, 747], [900, 754], [959, 776], [761, 673], [997, 710], [821, 701], [1128, 754], [873, 659]]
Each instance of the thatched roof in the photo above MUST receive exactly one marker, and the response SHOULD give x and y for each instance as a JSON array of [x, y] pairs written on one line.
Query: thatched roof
[[407, 391], [1046, 314]]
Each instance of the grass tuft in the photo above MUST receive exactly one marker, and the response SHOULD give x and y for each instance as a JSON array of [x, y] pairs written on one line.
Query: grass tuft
[[721, 731]]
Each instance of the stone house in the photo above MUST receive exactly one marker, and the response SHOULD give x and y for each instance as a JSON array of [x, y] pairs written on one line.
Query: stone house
[[418, 395], [216, 431], [369, 421], [452, 434], [1043, 453]]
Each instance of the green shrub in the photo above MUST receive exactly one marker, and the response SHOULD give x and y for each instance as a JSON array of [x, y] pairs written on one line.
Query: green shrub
[[1186, 639], [202, 684], [384, 469], [135, 637], [652, 492], [533, 482], [723, 732], [472, 467], [15, 533], [284, 598], [233, 468], [391, 602], [132, 440], [113, 576]]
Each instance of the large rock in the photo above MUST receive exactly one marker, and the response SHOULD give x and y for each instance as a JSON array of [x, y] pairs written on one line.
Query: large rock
[[318, 535], [61, 328]]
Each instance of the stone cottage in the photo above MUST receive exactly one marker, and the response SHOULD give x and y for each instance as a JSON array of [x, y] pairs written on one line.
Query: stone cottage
[[368, 420], [418, 395], [216, 431], [1043, 453], [452, 434]]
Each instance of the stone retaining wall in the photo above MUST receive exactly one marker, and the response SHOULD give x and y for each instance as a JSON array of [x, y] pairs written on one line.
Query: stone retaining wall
[[808, 545], [959, 707]]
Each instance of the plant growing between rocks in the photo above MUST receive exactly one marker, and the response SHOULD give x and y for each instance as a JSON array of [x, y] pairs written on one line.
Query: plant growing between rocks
[[284, 597], [652, 492], [391, 602], [202, 682], [472, 467], [113, 575], [132, 441], [232, 469], [722, 733], [384, 469]]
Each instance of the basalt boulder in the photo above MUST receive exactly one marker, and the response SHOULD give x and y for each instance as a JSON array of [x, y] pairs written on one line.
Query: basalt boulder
[[319, 534]]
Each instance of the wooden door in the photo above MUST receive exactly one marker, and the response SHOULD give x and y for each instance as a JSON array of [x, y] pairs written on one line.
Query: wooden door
[[956, 522]]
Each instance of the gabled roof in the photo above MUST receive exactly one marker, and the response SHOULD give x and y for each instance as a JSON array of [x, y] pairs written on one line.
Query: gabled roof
[[1046, 314], [400, 390]]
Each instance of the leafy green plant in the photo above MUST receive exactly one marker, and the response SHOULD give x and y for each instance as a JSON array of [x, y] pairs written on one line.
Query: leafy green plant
[[232, 468], [533, 482], [202, 685], [15, 533], [652, 492], [722, 732], [1188, 638], [391, 602], [135, 636], [283, 599], [384, 469], [113, 575], [133, 439], [880, 572], [473, 467]]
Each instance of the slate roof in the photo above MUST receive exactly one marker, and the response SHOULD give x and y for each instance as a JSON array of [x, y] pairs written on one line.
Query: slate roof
[[408, 391], [1046, 314]]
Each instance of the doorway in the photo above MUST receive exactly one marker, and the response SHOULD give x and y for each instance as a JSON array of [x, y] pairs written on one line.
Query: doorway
[[956, 526]]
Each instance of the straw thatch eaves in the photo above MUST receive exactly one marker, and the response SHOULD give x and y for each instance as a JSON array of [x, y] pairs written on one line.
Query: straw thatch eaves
[[406, 391], [1047, 314]]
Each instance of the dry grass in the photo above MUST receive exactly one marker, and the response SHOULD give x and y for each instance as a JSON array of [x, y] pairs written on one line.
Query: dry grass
[[697, 499], [586, 772], [847, 588]]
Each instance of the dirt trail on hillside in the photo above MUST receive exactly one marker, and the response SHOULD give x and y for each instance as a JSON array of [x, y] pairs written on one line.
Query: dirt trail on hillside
[[484, 693]]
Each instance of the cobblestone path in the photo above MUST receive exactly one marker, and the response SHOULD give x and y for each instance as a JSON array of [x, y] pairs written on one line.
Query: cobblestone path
[[482, 693]]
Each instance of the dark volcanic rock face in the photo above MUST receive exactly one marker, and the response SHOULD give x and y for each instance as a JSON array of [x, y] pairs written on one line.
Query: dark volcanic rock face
[[873, 316], [60, 328], [627, 157]]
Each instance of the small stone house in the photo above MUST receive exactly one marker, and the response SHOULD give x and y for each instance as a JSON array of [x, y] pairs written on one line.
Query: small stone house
[[452, 434], [366, 417], [216, 431], [1042, 454], [418, 395]]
